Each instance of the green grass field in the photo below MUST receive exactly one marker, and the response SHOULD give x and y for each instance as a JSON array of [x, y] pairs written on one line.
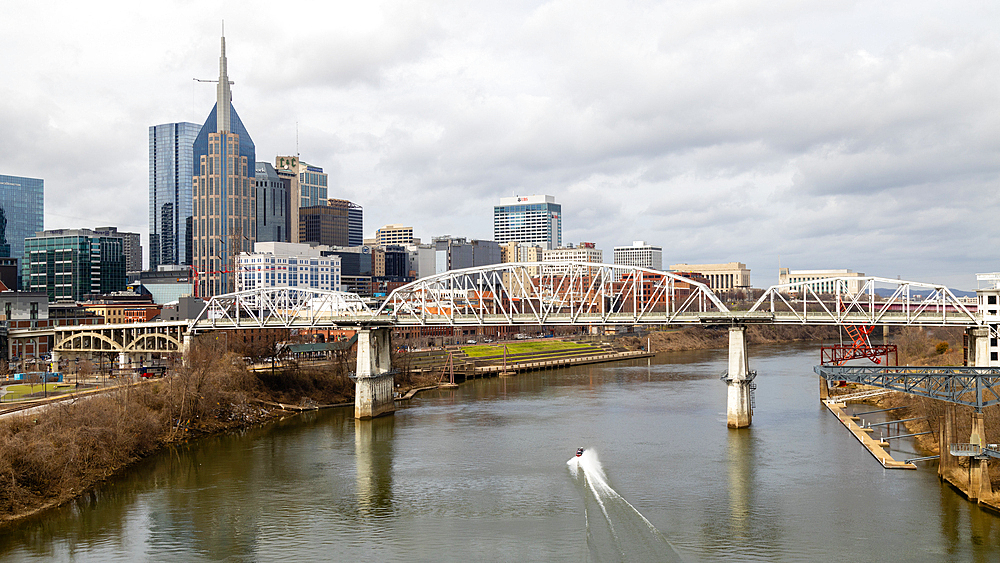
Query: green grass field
[[19, 390], [479, 351]]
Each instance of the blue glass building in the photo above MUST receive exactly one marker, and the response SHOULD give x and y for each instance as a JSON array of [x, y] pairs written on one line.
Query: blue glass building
[[171, 169], [22, 203]]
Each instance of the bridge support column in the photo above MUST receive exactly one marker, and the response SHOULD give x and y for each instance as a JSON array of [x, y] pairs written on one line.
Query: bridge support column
[[739, 378], [979, 347], [186, 347], [979, 474], [373, 380]]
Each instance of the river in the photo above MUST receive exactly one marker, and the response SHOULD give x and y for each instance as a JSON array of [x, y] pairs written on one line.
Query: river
[[487, 472]]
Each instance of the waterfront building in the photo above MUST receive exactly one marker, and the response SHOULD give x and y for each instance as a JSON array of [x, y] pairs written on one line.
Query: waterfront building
[[273, 215], [283, 264], [786, 275], [22, 212], [640, 254], [394, 234], [721, 277], [355, 220], [224, 192], [536, 219], [171, 169], [130, 246], [73, 263], [988, 307]]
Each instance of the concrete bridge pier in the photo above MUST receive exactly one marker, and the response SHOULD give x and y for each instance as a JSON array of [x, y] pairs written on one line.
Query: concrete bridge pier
[[373, 380], [979, 473], [739, 378]]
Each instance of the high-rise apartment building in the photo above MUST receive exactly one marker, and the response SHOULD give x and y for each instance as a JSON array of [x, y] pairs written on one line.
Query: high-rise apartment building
[[639, 254], [130, 246], [535, 218], [73, 263], [355, 220], [22, 210], [171, 169], [273, 205], [224, 192]]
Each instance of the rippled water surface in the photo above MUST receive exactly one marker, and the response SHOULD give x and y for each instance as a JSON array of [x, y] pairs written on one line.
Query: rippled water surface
[[480, 474]]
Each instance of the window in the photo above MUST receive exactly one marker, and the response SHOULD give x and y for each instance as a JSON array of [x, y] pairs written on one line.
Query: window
[[991, 300], [34, 311]]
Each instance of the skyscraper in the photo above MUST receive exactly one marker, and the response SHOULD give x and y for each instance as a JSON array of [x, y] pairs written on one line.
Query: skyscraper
[[171, 168], [273, 204], [73, 263], [355, 220], [224, 192], [22, 208], [535, 218]]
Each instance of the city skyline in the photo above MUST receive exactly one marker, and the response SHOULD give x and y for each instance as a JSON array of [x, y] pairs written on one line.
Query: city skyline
[[812, 136]]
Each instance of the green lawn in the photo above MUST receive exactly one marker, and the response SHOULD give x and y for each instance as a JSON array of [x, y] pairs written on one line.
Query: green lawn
[[521, 348], [18, 390]]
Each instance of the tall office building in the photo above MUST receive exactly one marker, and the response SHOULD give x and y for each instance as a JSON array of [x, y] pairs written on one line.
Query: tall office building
[[394, 234], [640, 254], [273, 204], [312, 181], [73, 263], [22, 209], [171, 168], [535, 218], [355, 220], [130, 246], [224, 192], [324, 224]]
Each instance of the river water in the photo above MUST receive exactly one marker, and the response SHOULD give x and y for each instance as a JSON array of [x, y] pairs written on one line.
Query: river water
[[487, 472]]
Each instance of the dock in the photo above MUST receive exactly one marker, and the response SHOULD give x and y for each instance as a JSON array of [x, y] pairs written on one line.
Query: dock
[[837, 406], [534, 365]]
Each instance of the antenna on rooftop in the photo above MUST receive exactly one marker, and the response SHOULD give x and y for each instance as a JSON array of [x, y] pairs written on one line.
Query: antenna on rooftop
[[297, 153]]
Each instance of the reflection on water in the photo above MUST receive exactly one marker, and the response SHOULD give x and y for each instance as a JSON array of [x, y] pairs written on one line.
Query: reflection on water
[[373, 458]]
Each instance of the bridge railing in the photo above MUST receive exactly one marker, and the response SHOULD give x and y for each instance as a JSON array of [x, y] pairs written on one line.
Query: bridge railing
[[865, 300]]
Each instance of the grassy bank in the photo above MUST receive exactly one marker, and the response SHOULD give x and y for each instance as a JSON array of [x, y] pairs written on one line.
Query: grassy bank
[[702, 338], [537, 347]]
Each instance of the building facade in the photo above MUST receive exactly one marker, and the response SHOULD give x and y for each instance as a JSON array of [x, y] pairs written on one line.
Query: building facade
[[311, 187], [171, 169], [73, 263], [640, 254], [355, 220], [786, 275], [22, 212], [327, 225], [520, 252], [583, 252], [730, 276], [394, 234], [456, 253], [224, 192], [536, 219], [273, 216], [130, 246], [282, 264]]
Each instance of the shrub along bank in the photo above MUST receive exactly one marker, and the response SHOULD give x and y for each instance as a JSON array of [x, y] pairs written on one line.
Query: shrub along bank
[[48, 458]]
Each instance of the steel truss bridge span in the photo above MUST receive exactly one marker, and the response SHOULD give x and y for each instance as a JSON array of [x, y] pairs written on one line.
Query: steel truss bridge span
[[585, 293], [864, 301], [971, 386]]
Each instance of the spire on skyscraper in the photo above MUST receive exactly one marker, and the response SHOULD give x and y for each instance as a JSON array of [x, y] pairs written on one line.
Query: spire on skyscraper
[[224, 94]]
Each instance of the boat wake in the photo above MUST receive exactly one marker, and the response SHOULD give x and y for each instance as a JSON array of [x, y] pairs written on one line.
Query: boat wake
[[616, 531]]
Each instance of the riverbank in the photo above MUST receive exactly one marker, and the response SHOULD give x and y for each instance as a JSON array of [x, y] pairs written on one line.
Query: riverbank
[[52, 456], [704, 338]]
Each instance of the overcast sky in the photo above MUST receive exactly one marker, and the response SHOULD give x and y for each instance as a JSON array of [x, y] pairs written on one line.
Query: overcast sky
[[817, 134]]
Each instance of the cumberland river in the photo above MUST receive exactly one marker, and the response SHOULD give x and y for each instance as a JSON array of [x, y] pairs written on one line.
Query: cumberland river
[[484, 473]]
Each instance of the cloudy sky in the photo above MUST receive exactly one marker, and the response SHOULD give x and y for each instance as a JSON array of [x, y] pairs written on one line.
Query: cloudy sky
[[814, 134]]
